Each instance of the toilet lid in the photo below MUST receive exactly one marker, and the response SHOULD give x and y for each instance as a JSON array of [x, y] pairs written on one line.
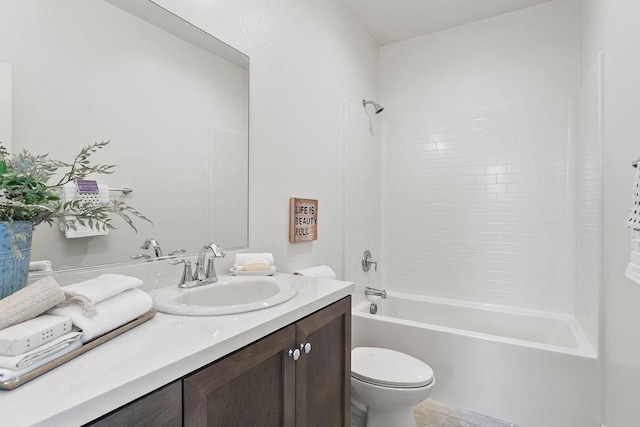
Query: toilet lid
[[390, 368]]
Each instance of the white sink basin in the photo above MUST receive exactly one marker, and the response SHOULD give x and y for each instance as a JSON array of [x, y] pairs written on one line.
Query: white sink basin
[[229, 295]]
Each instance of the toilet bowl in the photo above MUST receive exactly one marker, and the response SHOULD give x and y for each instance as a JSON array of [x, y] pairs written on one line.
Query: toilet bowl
[[388, 384]]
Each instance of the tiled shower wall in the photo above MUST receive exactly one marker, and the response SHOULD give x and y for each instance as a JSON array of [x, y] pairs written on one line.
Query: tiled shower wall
[[362, 195], [479, 177], [478, 206]]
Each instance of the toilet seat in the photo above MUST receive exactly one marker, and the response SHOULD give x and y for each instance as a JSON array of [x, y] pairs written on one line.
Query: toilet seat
[[389, 368]]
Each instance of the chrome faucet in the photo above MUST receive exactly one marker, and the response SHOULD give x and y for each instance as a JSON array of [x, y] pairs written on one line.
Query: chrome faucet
[[208, 274], [375, 292], [152, 243], [201, 275]]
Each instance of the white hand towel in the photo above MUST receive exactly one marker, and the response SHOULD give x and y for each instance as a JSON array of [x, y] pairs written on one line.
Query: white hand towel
[[633, 272], [44, 265], [111, 313], [29, 358], [242, 259], [635, 257], [90, 292], [634, 216], [635, 245], [10, 374], [30, 301], [320, 272]]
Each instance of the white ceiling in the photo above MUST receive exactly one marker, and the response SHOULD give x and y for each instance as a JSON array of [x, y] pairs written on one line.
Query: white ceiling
[[391, 21]]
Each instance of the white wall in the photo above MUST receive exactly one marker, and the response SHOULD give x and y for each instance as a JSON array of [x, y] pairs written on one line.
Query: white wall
[[478, 198], [611, 26], [306, 59], [6, 102]]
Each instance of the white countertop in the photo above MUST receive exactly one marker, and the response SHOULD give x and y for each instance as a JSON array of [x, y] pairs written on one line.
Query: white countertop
[[151, 355]]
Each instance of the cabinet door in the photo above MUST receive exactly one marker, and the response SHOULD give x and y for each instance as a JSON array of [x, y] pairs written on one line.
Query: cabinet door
[[163, 407], [323, 376], [254, 386]]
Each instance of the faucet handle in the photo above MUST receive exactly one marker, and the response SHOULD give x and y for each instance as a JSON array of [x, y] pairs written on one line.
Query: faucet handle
[[217, 251], [367, 260], [210, 272], [187, 276]]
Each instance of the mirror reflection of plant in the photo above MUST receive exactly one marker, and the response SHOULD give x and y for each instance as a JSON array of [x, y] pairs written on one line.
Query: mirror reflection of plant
[[26, 195]]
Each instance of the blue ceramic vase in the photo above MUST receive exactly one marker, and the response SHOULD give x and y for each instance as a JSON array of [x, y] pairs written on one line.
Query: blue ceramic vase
[[14, 271]]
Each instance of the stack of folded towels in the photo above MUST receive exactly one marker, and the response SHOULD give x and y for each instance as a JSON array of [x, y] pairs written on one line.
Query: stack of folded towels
[[633, 268], [73, 315], [29, 339], [253, 262], [100, 305]]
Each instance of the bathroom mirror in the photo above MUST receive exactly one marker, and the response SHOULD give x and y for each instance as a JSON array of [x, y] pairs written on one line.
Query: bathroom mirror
[[172, 100]]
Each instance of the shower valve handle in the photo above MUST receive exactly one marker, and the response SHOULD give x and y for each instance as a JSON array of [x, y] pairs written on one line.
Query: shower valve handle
[[367, 260]]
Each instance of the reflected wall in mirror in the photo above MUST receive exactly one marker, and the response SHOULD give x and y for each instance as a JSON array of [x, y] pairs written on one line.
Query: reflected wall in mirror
[[176, 115]]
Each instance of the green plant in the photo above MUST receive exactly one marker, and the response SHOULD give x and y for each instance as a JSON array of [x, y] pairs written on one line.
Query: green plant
[[26, 193]]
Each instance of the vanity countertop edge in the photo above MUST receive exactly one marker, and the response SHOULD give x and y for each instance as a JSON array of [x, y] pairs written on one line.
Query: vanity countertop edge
[[159, 351]]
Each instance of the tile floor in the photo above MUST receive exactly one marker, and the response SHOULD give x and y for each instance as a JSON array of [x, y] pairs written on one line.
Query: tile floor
[[431, 413]]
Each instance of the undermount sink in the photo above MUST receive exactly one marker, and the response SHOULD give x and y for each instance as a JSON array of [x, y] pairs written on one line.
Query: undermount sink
[[230, 295]]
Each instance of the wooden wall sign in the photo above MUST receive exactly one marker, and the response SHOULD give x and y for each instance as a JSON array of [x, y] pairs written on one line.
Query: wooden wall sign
[[303, 220]]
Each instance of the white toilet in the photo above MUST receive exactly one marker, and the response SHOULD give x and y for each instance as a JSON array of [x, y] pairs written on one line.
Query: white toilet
[[388, 384]]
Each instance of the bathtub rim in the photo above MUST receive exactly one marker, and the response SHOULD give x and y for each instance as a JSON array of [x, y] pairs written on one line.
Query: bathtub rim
[[584, 348]]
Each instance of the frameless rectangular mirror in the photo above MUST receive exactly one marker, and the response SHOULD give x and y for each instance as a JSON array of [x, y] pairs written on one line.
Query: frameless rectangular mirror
[[172, 100]]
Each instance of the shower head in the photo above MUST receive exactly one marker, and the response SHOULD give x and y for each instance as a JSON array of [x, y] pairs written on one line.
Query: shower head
[[378, 108]]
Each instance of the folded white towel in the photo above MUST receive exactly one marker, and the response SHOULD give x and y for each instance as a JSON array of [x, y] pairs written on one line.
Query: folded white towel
[[10, 374], [44, 265], [111, 313], [633, 272], [29, 358], [30, 301], [90, 292], [635, 258], [320, 272], [242, 259], [635, 245]]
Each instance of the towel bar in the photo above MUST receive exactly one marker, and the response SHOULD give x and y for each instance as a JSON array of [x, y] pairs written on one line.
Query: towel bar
[[125, 190]]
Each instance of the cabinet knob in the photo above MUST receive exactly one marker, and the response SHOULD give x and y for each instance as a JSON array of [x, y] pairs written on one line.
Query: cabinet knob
[[305, 347], [294, 354]]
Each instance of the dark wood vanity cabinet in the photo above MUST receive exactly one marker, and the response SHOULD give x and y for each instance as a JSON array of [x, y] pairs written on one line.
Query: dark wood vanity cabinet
[[262, 384], [163, 407], [323, 376]]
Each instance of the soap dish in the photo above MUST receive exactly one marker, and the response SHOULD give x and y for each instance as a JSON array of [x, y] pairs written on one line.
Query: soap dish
[[268, 272]]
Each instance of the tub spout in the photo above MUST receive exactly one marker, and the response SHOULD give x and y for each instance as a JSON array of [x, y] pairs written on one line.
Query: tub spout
[[375, 292]]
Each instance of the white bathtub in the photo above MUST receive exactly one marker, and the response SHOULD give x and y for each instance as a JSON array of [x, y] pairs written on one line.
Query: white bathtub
[[529, 368]]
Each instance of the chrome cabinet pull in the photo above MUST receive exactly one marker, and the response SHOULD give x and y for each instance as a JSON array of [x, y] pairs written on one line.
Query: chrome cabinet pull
[[305, 347], [294, 354]]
